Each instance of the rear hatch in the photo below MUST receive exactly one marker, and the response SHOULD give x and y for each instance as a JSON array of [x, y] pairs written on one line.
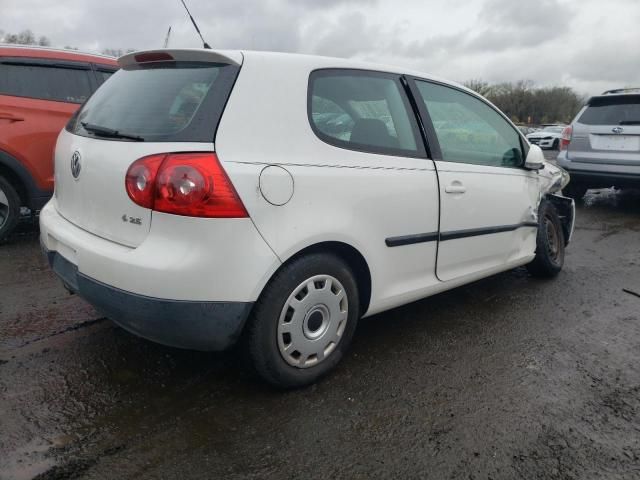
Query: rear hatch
[[607, 131], [158, 102]]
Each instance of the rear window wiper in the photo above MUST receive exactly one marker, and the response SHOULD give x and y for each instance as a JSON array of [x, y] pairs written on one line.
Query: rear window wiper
[[108, 132], [630, 122]]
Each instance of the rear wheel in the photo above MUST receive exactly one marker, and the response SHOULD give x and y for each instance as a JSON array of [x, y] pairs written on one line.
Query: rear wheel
[[575, 190], [9, 208], [550, 243], [304, 321]]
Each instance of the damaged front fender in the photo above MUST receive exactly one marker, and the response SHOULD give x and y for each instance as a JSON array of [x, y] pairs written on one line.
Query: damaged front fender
[[552, 180], [566, 209]]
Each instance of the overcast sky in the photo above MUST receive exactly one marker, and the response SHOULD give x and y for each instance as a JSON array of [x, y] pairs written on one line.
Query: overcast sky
[[591, 45]]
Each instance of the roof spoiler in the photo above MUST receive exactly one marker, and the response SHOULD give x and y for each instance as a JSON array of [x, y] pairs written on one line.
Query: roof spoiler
[[184, 55], [622, 90]]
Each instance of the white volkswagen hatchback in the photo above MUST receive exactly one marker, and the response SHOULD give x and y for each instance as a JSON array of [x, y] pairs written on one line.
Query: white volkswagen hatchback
[[204, 197]]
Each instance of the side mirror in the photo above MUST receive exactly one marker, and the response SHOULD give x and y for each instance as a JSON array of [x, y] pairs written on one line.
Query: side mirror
[[535, 158]]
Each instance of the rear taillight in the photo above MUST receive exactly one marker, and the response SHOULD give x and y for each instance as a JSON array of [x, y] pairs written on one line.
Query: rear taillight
[[566, 137], [189, 184], [140, 179]]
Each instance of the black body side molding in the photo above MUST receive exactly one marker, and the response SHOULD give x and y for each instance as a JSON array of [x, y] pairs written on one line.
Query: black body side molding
[[454, 234], [411, 239]]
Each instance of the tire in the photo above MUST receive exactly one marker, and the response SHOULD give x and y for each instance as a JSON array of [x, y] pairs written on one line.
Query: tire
[[276, 331], [575, 190], [550, 243], [9, 208], [556, 144]]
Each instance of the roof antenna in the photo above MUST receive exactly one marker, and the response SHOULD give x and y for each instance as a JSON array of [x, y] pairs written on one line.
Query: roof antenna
[[166, 39], [205, 44]]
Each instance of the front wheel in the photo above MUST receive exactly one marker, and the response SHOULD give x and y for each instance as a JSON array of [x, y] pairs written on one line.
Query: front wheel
[[550, 243], [9, 208], [304, 320]]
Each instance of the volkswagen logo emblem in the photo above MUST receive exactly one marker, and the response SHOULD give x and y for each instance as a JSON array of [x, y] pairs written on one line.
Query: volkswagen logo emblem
[[617, 130], [76, 166]]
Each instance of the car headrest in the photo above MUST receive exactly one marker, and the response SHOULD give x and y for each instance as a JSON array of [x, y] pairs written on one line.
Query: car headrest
[[372, 131]]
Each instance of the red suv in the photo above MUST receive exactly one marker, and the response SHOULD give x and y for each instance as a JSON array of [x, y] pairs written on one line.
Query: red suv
[[40, 89]]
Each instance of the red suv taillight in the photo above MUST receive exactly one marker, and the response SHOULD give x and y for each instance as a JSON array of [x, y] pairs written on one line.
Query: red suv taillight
[[566, 137], [189, 184]]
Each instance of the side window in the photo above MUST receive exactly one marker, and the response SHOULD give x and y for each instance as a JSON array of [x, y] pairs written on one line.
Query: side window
[[469, 130], [330, 119], [45, 82], [363, 111], [103, 75]]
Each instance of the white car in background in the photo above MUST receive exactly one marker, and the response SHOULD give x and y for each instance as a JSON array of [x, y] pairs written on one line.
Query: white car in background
[[204, 197], [549, 137]]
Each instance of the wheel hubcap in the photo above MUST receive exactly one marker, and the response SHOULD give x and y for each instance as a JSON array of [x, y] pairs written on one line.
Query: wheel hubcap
[[4, 208], [312, 321]]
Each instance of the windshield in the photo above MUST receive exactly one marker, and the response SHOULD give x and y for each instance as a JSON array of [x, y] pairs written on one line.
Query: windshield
[[158, 102], [553, 129]]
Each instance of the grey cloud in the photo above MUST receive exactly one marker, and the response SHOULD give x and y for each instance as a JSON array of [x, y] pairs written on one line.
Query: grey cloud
[[512, 24], [604, 61], [325, 4], [346, 36], [521, 13], [500, 25], [549, 41]]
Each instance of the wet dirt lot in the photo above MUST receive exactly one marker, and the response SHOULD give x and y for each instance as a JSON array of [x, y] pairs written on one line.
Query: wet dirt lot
[[510, 377]]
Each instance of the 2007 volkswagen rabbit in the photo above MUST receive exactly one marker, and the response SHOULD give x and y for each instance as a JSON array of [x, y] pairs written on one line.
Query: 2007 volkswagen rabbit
[[204, 197]]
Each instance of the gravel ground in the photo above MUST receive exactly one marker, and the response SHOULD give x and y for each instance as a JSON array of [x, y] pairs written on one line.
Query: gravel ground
[[510, 377]]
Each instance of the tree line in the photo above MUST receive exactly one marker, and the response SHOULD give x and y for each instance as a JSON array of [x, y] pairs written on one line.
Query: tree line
[[27, 37], [526, 103]]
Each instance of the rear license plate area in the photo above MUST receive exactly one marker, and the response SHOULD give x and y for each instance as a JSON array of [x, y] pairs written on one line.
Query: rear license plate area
[[624, 143]]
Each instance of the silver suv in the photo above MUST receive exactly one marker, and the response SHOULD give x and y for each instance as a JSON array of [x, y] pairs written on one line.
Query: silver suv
[[601, 148]]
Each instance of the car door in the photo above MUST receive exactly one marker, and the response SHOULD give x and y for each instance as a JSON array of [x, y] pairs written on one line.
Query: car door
[[488, 200]]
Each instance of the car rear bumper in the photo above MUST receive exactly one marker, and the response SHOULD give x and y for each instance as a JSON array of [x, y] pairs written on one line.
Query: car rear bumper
[[177, 323], [600, 173], [182, 258], [190, 284], [596, 179]]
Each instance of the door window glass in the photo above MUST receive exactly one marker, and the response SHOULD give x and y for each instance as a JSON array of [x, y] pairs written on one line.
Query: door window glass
[[469, 130]]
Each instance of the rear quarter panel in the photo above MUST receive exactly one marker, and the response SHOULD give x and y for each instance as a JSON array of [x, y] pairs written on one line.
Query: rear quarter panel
[[339, 195]]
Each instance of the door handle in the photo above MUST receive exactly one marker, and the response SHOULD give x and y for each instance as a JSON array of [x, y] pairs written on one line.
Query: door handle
[[11, 118], [455, 187]]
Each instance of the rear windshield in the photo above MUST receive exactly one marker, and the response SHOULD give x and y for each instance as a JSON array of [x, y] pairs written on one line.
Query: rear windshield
[[159, 102], [620, 110]]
